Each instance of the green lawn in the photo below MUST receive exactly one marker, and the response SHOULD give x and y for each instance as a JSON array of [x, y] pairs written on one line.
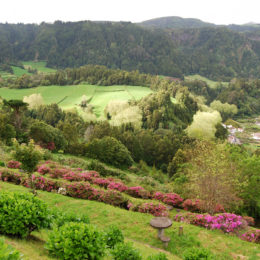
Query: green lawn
[[210, 83], [136, 228], [39, 65], [71, 95]]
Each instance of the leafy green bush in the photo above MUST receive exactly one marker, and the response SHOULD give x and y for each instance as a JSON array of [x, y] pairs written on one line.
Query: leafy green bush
[[113, 236], [109, 150], [160, 256], [2, 164], [76, 241], [22, 213], [7, 252], [195, 253], [125, 251]]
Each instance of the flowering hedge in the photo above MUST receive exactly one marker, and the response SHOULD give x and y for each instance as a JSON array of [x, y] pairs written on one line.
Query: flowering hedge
[[14, 164], [226, 222], [172, 199], [157, 210], [252, 236]]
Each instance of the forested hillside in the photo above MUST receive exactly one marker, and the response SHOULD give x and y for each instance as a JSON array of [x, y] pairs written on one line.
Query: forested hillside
[[166, 46], [115, 45]]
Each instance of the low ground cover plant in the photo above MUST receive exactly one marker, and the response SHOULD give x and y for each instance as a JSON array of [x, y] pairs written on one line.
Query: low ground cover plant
[[7, 252], [22, 213], [123, 251], [196, 253]]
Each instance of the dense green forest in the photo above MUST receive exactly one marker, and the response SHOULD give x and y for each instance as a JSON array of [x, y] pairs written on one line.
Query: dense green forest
[[172, 47]]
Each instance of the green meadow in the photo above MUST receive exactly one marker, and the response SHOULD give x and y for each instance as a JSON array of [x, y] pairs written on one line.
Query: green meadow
[[39, 65], [211, 83], [70, 96]]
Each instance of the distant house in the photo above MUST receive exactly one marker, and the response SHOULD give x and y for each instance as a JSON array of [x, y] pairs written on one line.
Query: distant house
[[233, 140], [256, 136]]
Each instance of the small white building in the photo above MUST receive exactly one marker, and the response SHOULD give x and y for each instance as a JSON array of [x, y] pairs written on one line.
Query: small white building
[[256, 136]]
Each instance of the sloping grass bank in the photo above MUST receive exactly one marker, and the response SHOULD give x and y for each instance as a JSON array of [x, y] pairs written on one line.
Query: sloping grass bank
[[135, 227]]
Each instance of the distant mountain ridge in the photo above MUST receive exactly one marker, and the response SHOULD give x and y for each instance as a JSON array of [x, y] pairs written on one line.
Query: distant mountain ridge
[[176, 22]]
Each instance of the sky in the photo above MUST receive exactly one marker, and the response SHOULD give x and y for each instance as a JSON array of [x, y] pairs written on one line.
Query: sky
[[214, 11]]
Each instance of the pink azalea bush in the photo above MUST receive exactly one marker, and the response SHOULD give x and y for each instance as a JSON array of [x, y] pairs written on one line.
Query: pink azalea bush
[[158, 210], [117, 186], [251, 236], [172, 199], [134, 191], [226, 222], [43, 169], [14, 164]]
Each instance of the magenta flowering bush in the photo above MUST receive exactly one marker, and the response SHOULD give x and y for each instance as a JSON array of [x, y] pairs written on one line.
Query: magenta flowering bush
[[134, 191], [43, 169], [158, 210], [226, 222], [251, 236], [14, 164], [117, 186], [101, 182], [172, 199]]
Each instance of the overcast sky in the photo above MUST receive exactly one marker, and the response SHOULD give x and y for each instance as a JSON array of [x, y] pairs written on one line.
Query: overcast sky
[[215, 11]]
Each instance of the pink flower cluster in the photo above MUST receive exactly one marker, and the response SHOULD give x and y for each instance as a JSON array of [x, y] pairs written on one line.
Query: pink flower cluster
[[172, 199], [14, 164], [226, 222], [251, 236], [157, 210], [43, 169]]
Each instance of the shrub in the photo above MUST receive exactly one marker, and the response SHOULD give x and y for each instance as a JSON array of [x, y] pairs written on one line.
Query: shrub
[[226, 222], [192, 205], [7, 252], [10, 176], [125, 251], [14, 164], [160, 256], [250, 221], [43, 169], [117, 186], [252, 236], [172, 199], [134, 191], [109, 150], [76, 241], [114, 198], [195, 253], [2, 164], [21, 213], [197, 205], [113, 236], [157, 210]]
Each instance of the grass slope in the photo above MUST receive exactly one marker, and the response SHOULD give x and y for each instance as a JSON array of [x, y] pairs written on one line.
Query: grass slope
[[136, 228], [39, 65], [72, 94], [211, 83]]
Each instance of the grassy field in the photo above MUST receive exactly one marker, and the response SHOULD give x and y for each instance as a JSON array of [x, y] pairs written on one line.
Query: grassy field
[[18, 72], [136, 228], [71, 95], [39, 65], [210, 83]]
